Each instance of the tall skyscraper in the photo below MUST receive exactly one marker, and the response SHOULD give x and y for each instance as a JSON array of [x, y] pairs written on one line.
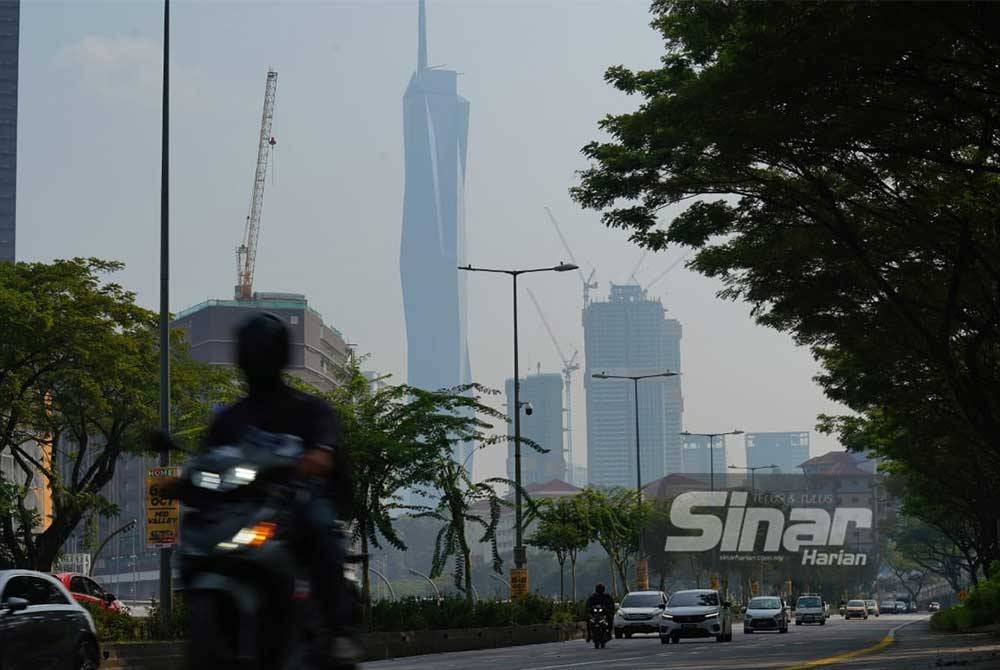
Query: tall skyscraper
[[435, 133], [10, 15], [786, 450], [630, 334], [544, 426]]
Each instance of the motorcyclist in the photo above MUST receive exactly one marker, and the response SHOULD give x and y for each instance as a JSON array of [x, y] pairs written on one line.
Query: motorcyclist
[[263, 351], [601, 599]]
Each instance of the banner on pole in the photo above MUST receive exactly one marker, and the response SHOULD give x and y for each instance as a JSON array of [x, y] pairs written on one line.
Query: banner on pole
[[162, 515]]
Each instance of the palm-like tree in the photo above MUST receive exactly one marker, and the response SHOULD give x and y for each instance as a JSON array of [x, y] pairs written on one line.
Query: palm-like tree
[[459, 508]]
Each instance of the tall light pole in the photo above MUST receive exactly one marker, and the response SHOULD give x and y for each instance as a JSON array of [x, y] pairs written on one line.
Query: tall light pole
[[165, 586], [752, 470], [520, 554], [711, 450], [711, 468], [641, 567]]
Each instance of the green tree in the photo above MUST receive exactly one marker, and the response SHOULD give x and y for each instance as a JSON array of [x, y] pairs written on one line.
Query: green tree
[[561, 530], [839, 169], [78, 389], [615, 522], [464, 504], [395, 437], [930, 549]]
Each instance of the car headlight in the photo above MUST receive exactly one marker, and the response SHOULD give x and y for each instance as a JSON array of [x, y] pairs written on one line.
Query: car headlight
[[712, 615], [666, 616]]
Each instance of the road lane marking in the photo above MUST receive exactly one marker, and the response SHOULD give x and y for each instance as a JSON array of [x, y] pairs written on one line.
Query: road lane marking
[[579, 663], [877, 647]]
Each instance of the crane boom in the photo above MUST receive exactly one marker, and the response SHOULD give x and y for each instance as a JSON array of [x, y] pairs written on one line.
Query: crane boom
[[246, 254], [667, 271], [587, 283], [548, 328]]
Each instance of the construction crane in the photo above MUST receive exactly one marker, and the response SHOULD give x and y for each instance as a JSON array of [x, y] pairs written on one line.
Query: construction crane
[[588, 282], [637, 266], [246, 253], [667, 271], [569, 367]]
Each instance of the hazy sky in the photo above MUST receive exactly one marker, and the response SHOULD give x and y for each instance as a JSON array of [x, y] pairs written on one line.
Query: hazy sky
[[88, 182]]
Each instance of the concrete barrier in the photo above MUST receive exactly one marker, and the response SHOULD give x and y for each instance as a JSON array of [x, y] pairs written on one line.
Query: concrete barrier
[[378, 646]]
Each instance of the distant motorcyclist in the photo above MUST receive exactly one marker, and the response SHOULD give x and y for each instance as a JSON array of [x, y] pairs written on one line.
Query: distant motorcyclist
[[263, 351], [601, 599]]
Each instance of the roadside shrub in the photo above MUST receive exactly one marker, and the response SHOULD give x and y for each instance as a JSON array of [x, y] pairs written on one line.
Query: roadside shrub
[[427, 614], [115, 626], [175, 629]]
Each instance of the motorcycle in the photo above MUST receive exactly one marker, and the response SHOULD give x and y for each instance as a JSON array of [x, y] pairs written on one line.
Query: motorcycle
[[249, 598], [600, 632]]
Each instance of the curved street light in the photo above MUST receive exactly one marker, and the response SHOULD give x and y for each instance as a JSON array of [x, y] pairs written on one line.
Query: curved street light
[[437, 591], [93, 559]]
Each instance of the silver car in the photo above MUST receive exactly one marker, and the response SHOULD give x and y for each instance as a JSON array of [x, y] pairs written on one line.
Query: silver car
[[766, 613], [696, 613], [640, 613]]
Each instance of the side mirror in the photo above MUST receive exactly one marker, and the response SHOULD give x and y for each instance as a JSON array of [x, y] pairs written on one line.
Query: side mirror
[[15, 604], [109, 598]]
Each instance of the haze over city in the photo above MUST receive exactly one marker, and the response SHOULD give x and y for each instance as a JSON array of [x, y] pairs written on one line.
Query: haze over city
[[532, 71]]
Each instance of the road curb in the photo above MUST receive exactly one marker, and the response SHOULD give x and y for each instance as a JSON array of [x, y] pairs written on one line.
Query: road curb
[[886, 641]]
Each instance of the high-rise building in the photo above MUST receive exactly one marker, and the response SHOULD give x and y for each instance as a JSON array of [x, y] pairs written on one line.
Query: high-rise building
[[435, 134], [319, 351], [696, 453], [786, 450], [544, 426], [630, 334], [10, 15]]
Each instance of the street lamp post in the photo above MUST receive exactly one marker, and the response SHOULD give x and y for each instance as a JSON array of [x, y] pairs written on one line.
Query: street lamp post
[[127, 527], [711, 450], [520, 554], [752, 470], [641, 567]]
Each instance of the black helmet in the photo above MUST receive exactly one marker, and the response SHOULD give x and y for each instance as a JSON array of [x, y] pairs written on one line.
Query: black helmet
[[599, 588], [263, 349]]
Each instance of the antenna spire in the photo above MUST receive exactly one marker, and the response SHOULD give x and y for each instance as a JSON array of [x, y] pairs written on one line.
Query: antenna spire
[[422, 36]]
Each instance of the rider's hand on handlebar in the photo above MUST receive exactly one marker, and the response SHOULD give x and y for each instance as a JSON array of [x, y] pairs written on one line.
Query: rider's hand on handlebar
[[316, 463]]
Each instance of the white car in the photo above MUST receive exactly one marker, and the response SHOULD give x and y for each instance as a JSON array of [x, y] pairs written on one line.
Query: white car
[[809, 609], [639, 613], [696, 613], [766, 613]]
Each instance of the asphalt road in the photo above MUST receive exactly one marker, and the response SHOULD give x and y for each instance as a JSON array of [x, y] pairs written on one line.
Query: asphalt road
[[760, 651]]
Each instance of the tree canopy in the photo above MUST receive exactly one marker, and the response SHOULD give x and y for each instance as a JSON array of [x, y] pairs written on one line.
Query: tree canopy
[[79, 378], [836, 165]]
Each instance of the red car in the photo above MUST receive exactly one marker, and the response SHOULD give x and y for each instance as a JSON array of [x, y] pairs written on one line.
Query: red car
[[86, 590]]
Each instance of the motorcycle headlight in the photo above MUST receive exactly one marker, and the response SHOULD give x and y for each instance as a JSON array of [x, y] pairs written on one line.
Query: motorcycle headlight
[[240, 475], [206, 480]]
